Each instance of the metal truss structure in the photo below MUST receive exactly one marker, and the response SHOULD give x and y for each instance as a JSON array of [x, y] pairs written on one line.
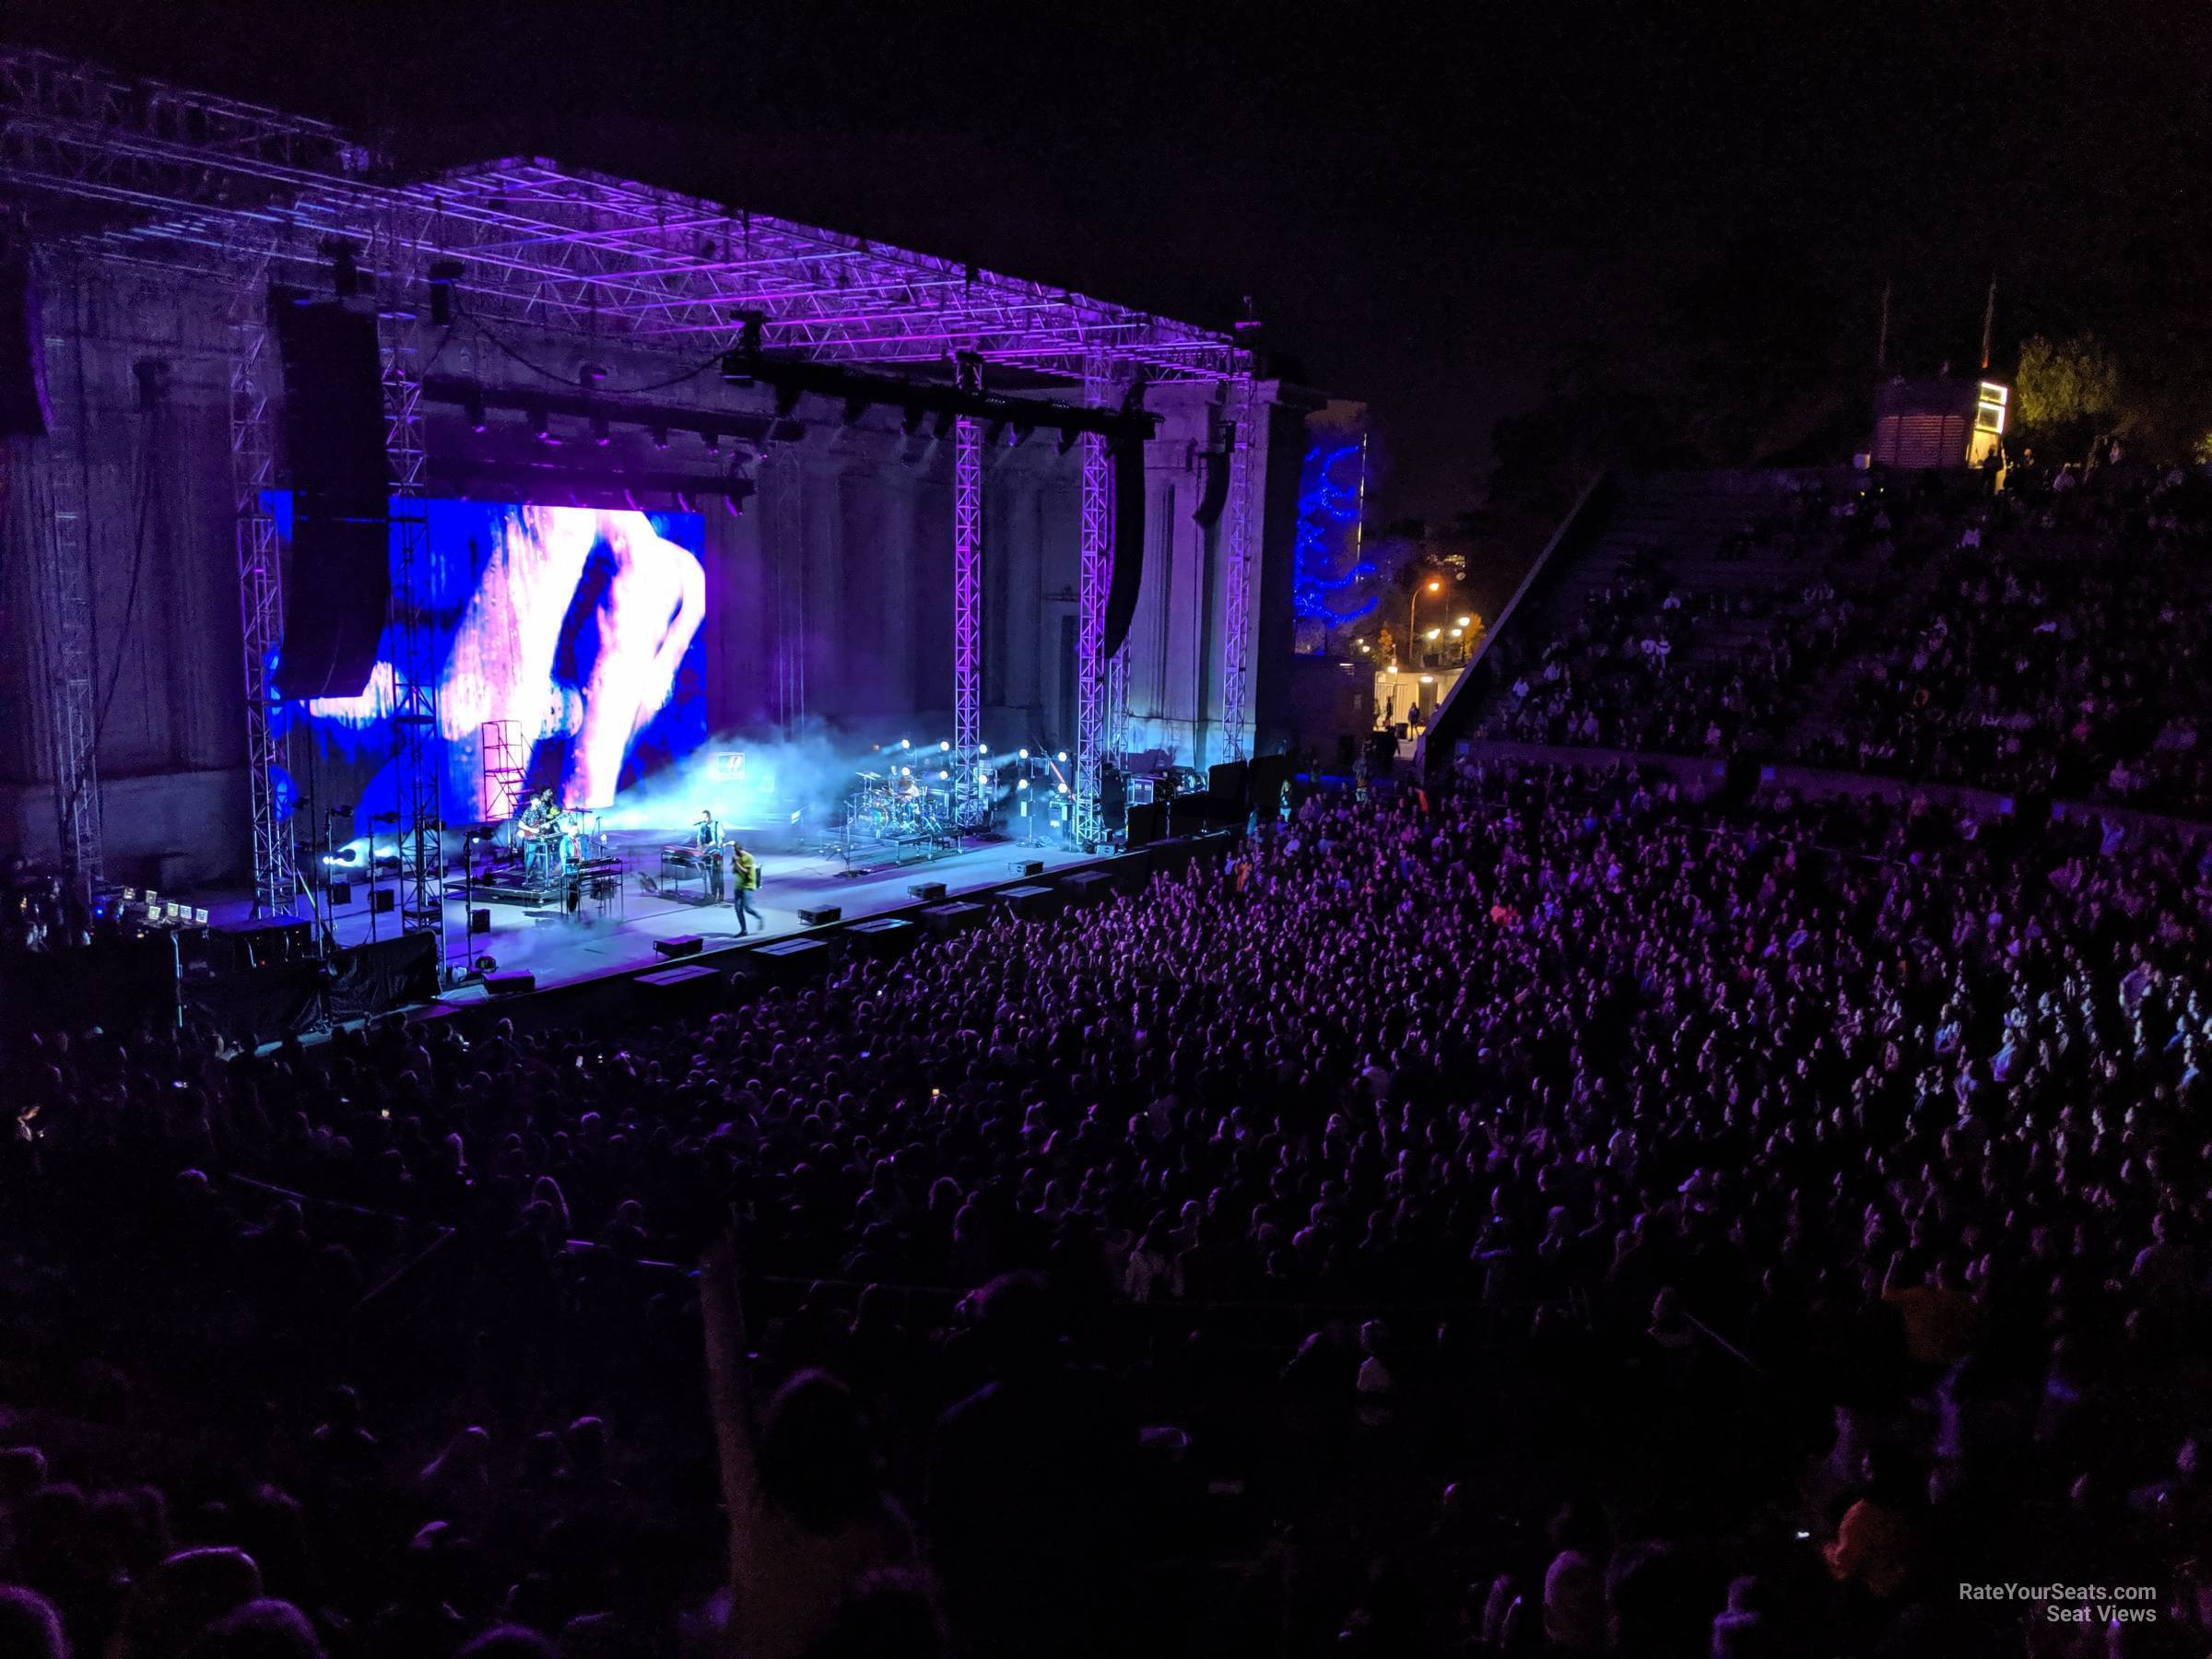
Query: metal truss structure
[[971, 794], [1246, 414], [787, 576], [418, 743], [1094, 580], [65, 591], [260, 589], [157, 176]]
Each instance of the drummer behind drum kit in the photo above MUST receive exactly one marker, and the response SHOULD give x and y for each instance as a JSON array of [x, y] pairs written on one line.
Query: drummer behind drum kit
[[891, 809]]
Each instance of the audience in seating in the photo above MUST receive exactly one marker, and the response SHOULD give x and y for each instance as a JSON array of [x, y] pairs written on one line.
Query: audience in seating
[[1549, 1213], [2047, 639]]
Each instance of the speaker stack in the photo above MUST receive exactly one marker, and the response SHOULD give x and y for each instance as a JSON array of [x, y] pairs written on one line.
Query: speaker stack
[[339, 586]]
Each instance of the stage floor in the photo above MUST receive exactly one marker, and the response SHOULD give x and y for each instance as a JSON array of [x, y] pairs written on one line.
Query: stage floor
[[619, 935]]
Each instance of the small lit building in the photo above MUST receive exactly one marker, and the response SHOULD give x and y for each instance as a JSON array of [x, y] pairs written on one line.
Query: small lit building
[[1924, 424]]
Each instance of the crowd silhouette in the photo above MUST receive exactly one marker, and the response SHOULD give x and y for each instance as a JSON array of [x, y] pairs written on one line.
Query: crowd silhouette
[[1544, 1212]]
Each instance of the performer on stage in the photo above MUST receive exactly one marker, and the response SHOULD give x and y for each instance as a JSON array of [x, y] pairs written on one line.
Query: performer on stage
[[745, 874], [538, 830], [706, 835]]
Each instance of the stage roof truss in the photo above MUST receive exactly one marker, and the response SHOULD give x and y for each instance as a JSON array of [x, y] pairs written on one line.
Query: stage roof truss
[[178, 178]]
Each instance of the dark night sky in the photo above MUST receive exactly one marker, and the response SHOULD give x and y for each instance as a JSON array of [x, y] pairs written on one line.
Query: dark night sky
[[1428, 203]]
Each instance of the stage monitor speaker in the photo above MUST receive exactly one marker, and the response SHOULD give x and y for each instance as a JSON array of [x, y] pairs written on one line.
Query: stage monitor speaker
[[815, 915], [511, 985], [955, 917], [693, 979], [381, 900], [1382, 752], [1147, 824], [1027, 866], [1086, 885], [1113, 798], [479, 921], [1031, 902], [338, 587], [689, 945], [1227, 783], [929, 892], [24, 409], [341, 894]]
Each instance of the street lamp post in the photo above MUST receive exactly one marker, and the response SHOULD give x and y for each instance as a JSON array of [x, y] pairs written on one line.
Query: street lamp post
[[1413, 604]]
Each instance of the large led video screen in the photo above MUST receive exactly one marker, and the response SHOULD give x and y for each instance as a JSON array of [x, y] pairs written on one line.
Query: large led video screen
[[567, 647]]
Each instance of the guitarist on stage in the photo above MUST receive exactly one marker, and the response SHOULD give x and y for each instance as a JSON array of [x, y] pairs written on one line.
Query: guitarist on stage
[[538, 831]]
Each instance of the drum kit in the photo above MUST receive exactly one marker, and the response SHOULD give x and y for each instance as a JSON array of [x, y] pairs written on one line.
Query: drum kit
[[894, 809]]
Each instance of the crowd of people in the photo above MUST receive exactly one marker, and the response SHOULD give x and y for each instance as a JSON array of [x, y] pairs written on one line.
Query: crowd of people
[[2060, 650], [1655, 662], [1542, 1213], [2046, 639]]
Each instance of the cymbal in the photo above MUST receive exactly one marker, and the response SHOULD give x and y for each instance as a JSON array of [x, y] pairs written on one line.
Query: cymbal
[[873, 777]]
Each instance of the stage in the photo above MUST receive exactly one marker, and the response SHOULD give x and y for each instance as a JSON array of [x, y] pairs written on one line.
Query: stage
[[616, 933]]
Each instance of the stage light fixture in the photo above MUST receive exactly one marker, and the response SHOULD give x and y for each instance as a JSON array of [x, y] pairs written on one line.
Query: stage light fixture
[[982, 748], [1024, 754], [601, 434], [1023, 783], [945, 745], [910, 421], [906, 743], [712, 439], [787, 400], [1063, 757], [1023, 432], [472, 405], [787, 432], [945, 423], [994, 434], [944, 774], [541, 424], [1067, 438], [659, 434], [855, 407]]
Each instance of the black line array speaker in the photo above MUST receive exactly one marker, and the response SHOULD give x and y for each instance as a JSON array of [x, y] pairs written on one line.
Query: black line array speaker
[[1214, 494], [1127, 456], [339, 585], [23, 406]]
